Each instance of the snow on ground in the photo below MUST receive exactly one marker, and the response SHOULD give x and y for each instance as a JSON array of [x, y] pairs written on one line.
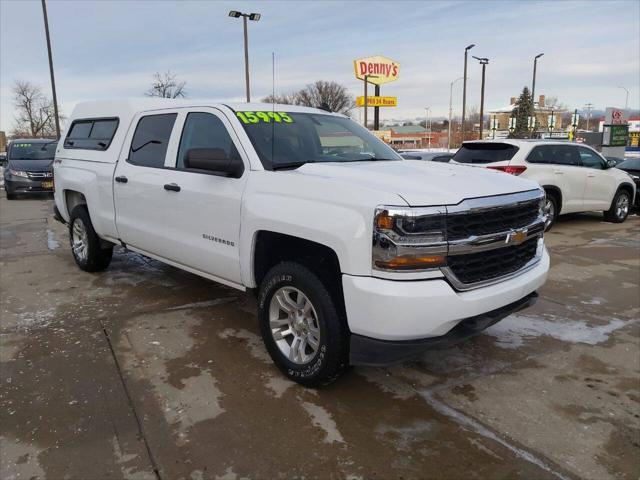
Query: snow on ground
[[512, 331]]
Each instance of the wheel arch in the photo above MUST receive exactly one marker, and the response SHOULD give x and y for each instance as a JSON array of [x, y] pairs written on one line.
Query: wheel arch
[[271, 248], [556, 192]]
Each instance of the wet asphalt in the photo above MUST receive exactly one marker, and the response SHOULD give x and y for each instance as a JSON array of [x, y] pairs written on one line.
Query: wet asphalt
[[148, 372]]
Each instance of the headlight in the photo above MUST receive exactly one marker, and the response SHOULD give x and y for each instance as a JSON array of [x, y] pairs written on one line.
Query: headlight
[[18, 173], [409, 238]]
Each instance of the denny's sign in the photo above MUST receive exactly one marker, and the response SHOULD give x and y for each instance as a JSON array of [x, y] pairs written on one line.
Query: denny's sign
[[378, 69]]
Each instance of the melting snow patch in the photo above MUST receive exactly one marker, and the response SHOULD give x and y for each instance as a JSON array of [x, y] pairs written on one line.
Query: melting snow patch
[[39, 319], [52, 243], [511, 332], [321, 418]]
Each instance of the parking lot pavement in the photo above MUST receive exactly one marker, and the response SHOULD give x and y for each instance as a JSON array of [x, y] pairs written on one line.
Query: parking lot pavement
[[145, 371]]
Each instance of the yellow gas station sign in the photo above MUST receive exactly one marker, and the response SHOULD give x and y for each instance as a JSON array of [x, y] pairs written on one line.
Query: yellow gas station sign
[[377, 101]]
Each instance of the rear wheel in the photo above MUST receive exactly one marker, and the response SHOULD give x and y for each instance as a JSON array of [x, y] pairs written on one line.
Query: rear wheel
[[619, 210], [88, 252], [301, 326], [550, 210]]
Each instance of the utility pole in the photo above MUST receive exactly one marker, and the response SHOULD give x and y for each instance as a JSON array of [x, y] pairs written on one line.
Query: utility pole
[[450, 111], [484, 62], [254, 17], [53, 81], [626, 99], [464, 87], [533, 88], [589, 107]]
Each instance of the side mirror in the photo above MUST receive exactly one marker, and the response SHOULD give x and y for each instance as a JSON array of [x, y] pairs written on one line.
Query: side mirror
[[3, 160], [611, 163], [215, 161]]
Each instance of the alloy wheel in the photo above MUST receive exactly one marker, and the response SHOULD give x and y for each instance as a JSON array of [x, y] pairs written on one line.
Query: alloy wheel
[[294, 325], [79, 239]]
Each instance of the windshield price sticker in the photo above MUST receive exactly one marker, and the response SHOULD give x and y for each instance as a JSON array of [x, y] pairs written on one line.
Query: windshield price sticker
[[264, 117]]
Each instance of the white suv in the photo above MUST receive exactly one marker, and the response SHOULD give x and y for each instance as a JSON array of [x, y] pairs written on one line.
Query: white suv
[[575, 177]]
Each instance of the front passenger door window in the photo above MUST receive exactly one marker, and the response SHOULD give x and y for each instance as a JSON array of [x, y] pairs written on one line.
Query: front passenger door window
[[591, 159], [204, 130]]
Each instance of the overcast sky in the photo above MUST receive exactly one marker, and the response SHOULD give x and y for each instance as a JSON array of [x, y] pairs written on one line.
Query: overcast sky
[[110, 49]]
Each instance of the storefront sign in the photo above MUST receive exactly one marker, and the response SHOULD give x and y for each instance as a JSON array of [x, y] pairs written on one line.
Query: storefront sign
[[378, 101], [378, 69], [616, 116], [615, 136]]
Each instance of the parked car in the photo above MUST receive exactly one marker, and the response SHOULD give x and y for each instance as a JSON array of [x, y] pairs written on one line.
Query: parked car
[[443, 157], [632, 167], [576, 178], [29, 166], [357, 256]]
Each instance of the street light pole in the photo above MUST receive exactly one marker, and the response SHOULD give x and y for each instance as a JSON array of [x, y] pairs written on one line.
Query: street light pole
[[464, 87], [626, 99], [533, 88], [53, 81], [427, 126], [484, 62], [251, 16], [451, 111]]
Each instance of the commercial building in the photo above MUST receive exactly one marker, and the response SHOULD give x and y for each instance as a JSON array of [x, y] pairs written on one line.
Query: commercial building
[[412, 136], [501, 117]]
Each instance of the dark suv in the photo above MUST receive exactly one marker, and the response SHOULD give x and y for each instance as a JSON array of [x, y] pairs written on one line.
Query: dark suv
[[29, 166]]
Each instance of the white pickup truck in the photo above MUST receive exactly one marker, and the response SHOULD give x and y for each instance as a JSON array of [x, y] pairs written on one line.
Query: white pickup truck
[[357, 256]]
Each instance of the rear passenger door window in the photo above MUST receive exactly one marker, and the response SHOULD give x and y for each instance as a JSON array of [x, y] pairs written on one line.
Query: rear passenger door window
[[204, 130], [151, 139]]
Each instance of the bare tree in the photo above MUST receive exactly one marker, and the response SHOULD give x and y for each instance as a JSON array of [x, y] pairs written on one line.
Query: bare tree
[[285, 98], [166, 85], [322, 94], [34, 112]]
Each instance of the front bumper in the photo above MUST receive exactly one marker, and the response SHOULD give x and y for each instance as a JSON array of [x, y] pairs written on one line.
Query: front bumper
[[391, 310], [13, 184], [380, 353]]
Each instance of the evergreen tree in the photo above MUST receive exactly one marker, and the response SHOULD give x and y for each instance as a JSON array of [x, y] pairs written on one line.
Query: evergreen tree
[[522, 111]]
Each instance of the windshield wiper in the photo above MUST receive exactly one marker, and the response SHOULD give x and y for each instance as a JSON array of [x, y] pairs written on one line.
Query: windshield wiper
[[155, 142], [287, 165]]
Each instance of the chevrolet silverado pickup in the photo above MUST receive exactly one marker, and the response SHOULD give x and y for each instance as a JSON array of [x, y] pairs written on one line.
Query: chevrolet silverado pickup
[[356, 255]]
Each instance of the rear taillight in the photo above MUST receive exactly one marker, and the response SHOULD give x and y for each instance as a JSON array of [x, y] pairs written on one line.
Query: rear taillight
[[512, 169]]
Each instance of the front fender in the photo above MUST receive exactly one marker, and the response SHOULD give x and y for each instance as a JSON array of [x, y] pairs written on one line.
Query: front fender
[[345, 229]]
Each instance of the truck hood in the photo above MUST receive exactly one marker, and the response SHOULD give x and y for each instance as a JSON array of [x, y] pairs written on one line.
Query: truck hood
[[421, 183]]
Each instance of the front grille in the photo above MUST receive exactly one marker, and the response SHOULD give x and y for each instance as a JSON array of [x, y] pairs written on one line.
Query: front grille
[[39, 175], [493, 220], [490, 264]]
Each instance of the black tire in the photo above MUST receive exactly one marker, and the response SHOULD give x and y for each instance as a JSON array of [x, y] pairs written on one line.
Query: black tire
[[616, 214], [97, 257], [11, 196], [553, 216], [331, 357]]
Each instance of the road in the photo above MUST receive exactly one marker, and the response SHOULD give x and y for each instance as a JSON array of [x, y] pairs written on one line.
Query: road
[[147, 372]]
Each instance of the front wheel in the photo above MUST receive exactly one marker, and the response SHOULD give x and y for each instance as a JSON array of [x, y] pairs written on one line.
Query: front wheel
[[619, 210], [301, 326], [88, 251], [551, 211]]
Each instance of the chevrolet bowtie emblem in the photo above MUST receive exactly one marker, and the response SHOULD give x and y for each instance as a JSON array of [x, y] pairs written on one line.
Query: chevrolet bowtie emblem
[[516, 237]]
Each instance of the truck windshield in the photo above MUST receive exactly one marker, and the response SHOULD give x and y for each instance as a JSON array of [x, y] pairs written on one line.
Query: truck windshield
[[33, 151], [289, 140], [485, 152]]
